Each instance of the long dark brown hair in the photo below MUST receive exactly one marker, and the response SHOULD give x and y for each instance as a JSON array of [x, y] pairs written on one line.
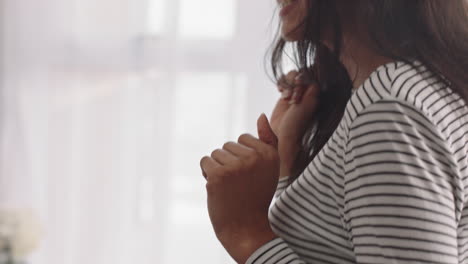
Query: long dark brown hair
[[434, 32]]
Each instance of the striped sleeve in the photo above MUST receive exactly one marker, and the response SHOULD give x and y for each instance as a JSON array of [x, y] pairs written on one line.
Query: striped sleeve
[[274, 252], [402, 196], [282, 184]]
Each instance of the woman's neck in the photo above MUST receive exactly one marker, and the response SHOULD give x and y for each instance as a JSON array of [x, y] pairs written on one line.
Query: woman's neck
[[361, 61], [358, 54]]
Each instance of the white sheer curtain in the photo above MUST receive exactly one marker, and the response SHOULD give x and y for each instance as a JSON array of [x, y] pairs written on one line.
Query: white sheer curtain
[[107, 107]]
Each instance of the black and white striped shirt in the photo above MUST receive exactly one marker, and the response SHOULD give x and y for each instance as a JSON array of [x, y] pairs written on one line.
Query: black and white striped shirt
[[390, 185]]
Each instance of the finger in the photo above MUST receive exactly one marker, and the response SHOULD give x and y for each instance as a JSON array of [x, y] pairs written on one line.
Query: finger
[[223, 157], [310, 95], [297, 95], [251, 142], [291, 77], [286, 94], [309, 99], [207, 165], [285, 90], [308, 102], [299, 77], [278, 112], [280, 83], [287, 81], [265, 132], [302, 82], [236, 149]]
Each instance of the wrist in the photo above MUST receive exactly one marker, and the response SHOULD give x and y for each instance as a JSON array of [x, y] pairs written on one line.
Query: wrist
[[288, 152], [285, 171], [242, 246]]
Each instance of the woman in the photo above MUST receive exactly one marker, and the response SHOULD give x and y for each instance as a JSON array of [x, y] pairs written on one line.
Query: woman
[[369, 141]]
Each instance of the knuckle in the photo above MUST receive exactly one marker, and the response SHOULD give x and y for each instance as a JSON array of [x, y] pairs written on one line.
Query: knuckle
[[269, 153], [237, 164], [224, 171], [227, 144], [216, 176], [273, 155], [215, 152], [252, 153], [290, 76], [203, 160], [249, 152], [242, 138], [252, 158], [287, 81], [265, 155]]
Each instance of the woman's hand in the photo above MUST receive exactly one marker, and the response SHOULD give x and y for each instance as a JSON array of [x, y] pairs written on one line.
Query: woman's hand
[[292, 116], [241, 181]]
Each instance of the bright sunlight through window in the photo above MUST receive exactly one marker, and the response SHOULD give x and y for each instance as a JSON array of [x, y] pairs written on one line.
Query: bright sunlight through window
[[213, 19]]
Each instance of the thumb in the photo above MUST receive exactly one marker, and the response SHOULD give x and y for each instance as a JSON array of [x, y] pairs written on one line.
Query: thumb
[[265, 132]]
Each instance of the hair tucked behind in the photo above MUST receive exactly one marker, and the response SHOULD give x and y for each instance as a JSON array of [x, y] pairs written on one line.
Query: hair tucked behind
[[433, 32]]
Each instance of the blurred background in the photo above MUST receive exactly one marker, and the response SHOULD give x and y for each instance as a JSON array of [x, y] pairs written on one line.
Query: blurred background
[[106, 108]]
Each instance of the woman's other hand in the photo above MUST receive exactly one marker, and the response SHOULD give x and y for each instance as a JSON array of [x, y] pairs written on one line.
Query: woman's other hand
[[292, 116]]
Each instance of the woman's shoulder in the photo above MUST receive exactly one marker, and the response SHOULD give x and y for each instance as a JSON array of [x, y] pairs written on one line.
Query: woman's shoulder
[[410, 84], [401, 91]]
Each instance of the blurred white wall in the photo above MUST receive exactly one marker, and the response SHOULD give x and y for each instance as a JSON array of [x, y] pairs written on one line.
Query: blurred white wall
[[107, 107]]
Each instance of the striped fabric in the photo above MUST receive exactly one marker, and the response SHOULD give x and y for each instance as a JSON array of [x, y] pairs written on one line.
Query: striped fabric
[[390, 184]]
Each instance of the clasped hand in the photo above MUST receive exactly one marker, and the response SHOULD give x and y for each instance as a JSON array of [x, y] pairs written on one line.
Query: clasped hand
[[242, 176], [241, 179]]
